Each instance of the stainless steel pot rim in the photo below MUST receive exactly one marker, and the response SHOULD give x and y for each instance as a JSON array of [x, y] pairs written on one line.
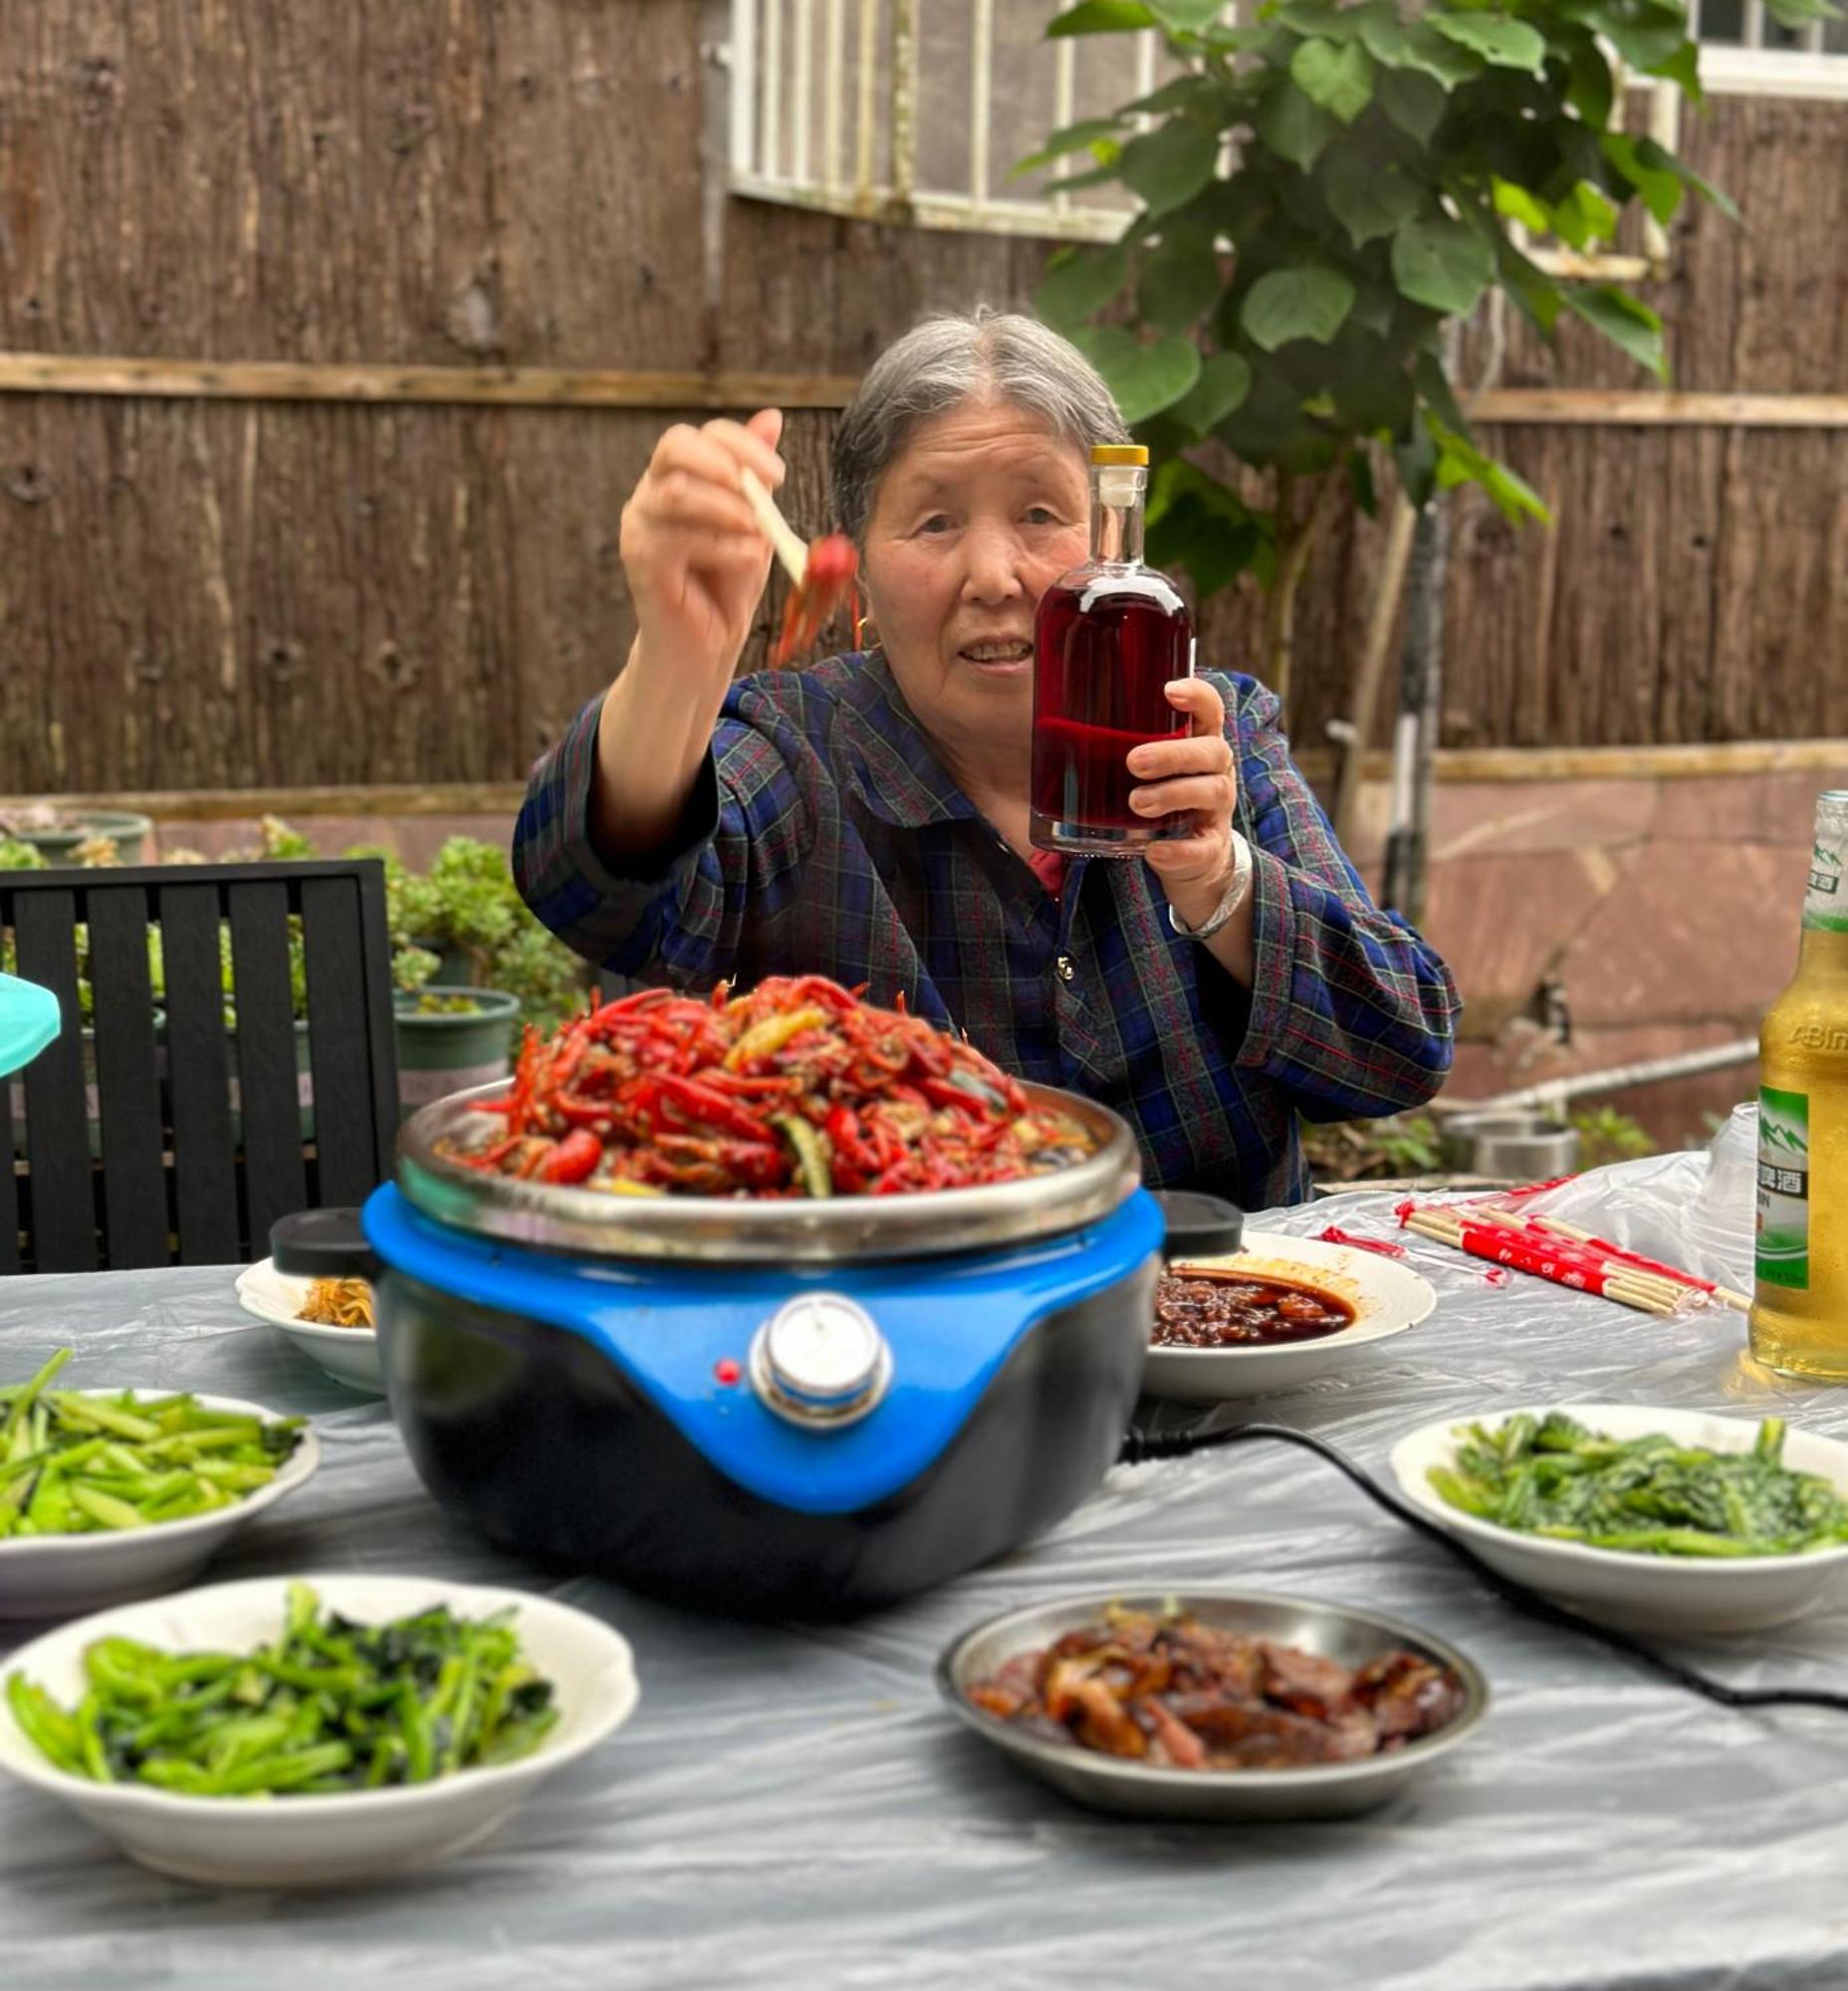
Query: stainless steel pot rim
[[1071, 1611], [713, 1229]]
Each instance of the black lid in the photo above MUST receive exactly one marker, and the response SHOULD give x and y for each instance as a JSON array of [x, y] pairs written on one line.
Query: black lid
[[322, 1244], [1199, 1226]]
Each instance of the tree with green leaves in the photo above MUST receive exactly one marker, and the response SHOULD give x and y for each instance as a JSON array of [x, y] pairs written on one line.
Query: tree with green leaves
[[1388, 168]]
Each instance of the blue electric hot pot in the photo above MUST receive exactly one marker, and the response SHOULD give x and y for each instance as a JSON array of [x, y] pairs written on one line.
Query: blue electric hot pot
[[812, 1406]]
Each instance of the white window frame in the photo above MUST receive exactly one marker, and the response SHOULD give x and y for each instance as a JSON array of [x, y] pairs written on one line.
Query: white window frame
[[1747, 68], [845, 178], [1728, 70]]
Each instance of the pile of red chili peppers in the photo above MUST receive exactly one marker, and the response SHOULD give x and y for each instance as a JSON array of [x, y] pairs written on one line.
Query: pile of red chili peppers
[[797, 1089]]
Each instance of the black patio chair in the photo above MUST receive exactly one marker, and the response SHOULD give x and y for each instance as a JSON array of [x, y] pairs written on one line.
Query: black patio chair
[[178, 1134]]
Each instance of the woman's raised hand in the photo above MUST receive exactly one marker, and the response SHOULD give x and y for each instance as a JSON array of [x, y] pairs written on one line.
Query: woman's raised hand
[[1195, 777], [695, 556], [696, 562]]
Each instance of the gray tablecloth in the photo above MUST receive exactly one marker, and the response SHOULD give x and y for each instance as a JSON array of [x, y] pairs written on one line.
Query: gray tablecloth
[[791, 1806]]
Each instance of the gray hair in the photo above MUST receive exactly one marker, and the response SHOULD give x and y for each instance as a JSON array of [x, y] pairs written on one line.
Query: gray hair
[[956, 357]]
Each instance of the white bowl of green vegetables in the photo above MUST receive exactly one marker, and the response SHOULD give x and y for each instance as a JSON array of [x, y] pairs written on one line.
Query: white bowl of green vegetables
[[1657, 1520], [330, 1731], [106, 1496]]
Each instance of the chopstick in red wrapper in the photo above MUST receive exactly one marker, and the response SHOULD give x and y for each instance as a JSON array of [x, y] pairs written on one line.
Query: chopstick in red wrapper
[[1598, 1254], [1502, 1247], [1334, 1234], [1618, 1256], [1527, 1190], [1669, 1281], [1501, 1244]]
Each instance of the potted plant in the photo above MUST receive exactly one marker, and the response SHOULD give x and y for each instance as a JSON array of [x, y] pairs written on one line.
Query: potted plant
[[469, 962], [449, 1036], [77, 836], [16, 855]]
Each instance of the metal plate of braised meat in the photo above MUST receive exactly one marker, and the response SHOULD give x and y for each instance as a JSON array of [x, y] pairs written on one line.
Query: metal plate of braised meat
[[1279, 1668], [1376, 1296]]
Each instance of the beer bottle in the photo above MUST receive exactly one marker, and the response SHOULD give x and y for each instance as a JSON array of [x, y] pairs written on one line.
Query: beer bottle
[[1799, 1315]]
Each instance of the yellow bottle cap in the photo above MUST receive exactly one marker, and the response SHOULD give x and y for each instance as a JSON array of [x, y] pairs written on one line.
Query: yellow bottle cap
[[1119, 452]]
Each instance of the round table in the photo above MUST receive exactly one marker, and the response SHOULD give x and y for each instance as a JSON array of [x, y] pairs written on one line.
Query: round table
[[792, 1806]]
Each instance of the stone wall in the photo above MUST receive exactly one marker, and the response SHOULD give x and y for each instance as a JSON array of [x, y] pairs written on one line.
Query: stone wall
[[1661, 914]]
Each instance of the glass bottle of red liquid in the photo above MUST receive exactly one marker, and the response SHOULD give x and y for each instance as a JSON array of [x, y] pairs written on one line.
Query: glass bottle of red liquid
[[1109, 635]]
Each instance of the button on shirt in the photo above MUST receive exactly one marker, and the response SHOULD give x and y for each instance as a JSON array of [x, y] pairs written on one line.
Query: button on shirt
[[823, 836]]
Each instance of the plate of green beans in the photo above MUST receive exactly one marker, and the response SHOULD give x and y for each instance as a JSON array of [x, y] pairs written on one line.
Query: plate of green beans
[[109, 1495], [314, 1731]]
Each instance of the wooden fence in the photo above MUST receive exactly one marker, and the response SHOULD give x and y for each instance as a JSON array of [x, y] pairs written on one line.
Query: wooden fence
[[336, 340]]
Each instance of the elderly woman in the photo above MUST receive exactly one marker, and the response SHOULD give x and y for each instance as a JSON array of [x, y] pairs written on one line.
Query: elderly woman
[[867, 818]]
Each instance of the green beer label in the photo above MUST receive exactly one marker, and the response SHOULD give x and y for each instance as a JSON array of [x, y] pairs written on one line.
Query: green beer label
[[1825, 903], [1783, 1188]]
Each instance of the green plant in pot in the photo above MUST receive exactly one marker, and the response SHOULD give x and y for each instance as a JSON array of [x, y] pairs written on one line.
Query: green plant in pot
[[477, 909], [76, 836], [469, 962], [468, 911], [449, 1036]]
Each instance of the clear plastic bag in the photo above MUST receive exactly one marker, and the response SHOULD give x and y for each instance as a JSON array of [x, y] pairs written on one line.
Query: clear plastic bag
[[1694, 1209], [1724, 1220]]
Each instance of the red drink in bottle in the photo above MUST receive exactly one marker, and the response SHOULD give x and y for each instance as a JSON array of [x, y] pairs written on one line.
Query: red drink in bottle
[[1109, 637]]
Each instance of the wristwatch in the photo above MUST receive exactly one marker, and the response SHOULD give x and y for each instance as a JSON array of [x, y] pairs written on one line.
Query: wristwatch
[[1235, 895]]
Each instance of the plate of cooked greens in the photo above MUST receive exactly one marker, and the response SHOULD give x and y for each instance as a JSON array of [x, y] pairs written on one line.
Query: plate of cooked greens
[[312, 1732], [107, 1495], [1654, 1519]]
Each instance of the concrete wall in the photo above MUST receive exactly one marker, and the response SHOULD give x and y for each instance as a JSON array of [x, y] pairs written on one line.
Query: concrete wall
[[1664, 912]]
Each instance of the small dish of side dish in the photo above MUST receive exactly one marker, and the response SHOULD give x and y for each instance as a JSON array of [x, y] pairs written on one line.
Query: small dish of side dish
[[1215, 1704], [329, 1320], [110, 1495], [1652, 1519], [1273, 1315], [323, 1732]]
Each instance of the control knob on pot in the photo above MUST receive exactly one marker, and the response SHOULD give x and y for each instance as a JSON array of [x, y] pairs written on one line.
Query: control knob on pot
[[819, 1360]]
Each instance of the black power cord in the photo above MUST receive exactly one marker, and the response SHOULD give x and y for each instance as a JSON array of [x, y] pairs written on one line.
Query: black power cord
[[1140, 1450]]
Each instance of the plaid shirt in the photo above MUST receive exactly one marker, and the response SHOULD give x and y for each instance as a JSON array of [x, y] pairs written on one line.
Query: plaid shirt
[[824, 836]]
